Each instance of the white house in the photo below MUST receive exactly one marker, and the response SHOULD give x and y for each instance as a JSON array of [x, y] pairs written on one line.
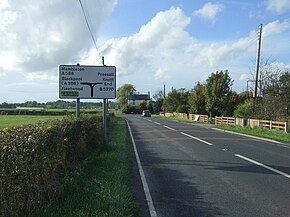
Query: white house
[[136, 99]]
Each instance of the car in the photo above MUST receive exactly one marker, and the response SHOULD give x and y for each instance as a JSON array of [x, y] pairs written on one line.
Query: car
[[146, 113]]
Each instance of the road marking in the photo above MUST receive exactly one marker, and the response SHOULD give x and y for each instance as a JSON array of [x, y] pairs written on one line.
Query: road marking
[[157, 123], [162, 139], [285, 146], [168, 127], [149, 120], [264, 166], [143, 178], [185, 134]]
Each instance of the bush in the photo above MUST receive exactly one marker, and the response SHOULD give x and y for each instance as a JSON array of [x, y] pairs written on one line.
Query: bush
[[34, 157], [244, 110]]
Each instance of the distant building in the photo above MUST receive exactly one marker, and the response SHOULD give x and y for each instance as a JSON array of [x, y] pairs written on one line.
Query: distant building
[[136, 99]]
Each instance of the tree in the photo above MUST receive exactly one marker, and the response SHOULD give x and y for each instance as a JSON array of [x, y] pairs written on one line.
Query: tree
[[177, 101], [122, 94], [217, 87], [275, 92], [159, 99], [244, 110], [229, 103], [284, 83], [196, 100]]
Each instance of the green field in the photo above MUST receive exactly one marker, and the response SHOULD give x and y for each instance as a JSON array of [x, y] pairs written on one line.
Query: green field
[[18, 120]]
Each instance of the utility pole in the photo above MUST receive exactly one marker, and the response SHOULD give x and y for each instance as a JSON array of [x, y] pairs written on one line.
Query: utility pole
[[257, 67], [164, 100]]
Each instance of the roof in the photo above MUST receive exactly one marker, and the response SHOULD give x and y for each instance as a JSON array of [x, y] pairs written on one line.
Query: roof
[[139, 97]]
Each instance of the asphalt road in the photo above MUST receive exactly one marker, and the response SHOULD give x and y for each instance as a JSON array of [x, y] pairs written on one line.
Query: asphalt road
[[201, 172]]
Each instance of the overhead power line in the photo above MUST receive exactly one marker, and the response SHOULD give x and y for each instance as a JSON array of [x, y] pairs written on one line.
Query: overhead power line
[[89, 28]]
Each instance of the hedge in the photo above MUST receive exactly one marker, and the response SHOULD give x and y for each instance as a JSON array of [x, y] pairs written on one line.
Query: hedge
[[34, 158]]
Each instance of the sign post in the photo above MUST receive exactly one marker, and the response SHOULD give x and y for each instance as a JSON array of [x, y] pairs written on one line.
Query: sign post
[[88, 82]]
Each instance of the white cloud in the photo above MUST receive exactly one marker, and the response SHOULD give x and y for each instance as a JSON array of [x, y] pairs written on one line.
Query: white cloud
[[154, 44], [4, 4], [38, 36], [163, 50], [278, 6], [209, 11], [276, 27], [245, 77]]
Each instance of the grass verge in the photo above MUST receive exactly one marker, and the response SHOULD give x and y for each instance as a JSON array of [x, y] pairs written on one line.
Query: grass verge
[[100, 184], [278, 135]]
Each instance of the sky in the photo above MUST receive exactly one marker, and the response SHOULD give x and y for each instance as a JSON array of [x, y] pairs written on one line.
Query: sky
[[152, 43]]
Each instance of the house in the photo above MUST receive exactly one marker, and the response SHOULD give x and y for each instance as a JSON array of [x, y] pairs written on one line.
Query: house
[[136, 99]]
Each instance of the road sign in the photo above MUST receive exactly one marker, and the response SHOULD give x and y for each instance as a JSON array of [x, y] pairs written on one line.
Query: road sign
[[87, 82]]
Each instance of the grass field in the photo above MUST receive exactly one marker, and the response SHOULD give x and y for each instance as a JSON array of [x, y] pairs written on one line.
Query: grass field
[[18, 120]]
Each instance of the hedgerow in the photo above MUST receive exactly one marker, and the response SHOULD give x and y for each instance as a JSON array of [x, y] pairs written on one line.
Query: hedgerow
[[34, 158]]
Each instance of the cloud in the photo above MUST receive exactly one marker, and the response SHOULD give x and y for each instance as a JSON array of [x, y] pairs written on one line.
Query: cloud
[[154, 44], [278, 6], [209, 11], [163, 51], [40, 35]]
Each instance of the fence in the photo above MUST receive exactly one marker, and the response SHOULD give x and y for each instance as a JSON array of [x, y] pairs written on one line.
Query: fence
[[199, 118], [268, 124], [194, 117], [252, 123], [225, 121]]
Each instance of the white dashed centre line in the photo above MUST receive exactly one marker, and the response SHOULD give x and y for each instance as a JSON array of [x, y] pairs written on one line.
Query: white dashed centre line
[[168, 127], [263, 165], [205, 142]]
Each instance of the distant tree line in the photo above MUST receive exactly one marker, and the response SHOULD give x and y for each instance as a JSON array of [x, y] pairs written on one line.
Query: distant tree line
[[215, 97], [59, 104]]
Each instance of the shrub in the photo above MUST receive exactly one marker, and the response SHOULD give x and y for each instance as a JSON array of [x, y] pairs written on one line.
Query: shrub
[[34, 157]]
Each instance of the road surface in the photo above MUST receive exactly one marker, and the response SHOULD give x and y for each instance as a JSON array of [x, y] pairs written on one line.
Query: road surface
[[201, 172]]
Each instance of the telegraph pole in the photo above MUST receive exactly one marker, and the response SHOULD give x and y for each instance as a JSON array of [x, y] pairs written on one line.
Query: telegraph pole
[[257, 67], [164, 100]]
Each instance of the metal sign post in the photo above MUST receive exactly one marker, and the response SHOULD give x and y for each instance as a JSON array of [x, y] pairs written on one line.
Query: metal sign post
[[78, 108], [104, 111]]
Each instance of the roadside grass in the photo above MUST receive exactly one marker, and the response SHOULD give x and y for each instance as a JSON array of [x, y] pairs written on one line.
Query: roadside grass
[[99, 186], [275, 134], [278, 135], [18, 120]]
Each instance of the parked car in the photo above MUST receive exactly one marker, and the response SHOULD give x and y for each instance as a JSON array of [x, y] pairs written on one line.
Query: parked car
[[146, 113]]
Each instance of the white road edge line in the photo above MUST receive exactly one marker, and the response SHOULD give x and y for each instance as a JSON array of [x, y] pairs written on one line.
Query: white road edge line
[[143, 178], [168, 127], [263, 165], [193, 137]]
